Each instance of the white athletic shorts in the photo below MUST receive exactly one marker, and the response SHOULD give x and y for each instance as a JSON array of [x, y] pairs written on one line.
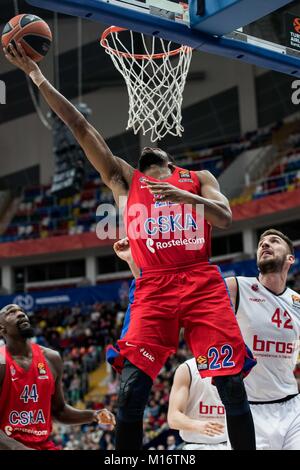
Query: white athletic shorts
[[277, 425], [222, 446]]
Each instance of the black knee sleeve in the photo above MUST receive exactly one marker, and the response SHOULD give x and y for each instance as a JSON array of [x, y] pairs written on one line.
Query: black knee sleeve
[[233, 394], [134, 392]]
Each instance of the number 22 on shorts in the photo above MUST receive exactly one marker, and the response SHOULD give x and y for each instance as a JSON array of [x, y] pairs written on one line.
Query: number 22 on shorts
[[220, 358]]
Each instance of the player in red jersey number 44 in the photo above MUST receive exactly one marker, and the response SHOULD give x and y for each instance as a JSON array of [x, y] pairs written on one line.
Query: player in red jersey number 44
[[31, 391]]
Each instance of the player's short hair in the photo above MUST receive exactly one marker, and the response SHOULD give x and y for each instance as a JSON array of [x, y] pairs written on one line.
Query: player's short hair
[[3, 310], [1, 319], [170, 158], [273, 231]]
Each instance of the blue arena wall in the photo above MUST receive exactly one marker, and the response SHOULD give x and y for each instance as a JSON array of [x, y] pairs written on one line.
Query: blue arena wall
[[115, 291]]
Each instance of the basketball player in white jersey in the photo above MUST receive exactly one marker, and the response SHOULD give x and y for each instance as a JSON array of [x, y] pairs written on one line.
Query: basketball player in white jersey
[[196, 410], [268, 314]]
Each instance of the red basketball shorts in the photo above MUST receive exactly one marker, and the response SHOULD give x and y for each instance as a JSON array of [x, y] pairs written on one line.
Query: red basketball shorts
[[194, 297]]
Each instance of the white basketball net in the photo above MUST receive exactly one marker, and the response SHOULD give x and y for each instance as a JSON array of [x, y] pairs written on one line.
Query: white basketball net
[[155, 81]]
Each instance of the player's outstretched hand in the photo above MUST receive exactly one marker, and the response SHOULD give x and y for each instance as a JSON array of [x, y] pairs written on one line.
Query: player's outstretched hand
[[17, 56], [122, 250], [105, 417]]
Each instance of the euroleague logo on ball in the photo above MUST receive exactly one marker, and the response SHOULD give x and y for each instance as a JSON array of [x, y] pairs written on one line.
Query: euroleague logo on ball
[[296, 24]]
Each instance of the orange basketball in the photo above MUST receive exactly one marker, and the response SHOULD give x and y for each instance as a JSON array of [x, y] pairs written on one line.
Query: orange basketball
[[31, 32]]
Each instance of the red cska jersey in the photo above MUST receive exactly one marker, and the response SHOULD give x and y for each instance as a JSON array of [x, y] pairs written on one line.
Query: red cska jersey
[[164, 233], [25, 400]]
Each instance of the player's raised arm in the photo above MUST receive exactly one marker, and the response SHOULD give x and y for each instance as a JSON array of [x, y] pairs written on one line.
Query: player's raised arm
[[65, 413], [114, 171], [216, 205]]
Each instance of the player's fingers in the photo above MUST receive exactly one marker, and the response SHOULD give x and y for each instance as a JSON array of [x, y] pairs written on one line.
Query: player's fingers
[[152, 188], [112, 418], [167, 197], [12, 51], [108, 418], [107, 415], [215, 425], [102, 417], [220, 427], [116, 246], [152, 183], [105, 418], [217, 430], [21, 51], [156, 183], [124, 242], [159, 191], [156, 191], [209, 433], [162, 199], [214, 430], [157, 186], [7, 55]]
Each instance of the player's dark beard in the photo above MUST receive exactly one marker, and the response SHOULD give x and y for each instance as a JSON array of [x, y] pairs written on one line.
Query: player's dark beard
[[149, 158], [271, 266], [26, 333]]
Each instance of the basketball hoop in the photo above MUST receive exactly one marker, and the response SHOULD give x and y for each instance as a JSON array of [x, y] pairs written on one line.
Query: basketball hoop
[[155, 80]]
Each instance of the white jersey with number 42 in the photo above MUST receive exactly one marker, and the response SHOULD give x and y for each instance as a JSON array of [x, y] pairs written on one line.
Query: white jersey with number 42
[[270, 325]]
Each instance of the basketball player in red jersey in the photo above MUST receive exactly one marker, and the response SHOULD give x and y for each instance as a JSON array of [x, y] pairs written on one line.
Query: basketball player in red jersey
[[178, 287], [31, 392]]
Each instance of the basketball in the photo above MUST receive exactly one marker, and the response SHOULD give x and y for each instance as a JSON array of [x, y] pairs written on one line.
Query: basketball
[[32, 32]]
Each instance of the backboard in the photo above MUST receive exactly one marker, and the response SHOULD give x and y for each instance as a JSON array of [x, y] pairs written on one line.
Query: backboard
[[263, 33]]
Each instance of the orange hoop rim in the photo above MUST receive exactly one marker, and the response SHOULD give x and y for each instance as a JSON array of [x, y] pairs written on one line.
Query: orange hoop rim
[[117, 29]]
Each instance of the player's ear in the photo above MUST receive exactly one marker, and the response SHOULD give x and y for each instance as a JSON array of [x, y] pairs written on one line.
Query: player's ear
[[291, 259]]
